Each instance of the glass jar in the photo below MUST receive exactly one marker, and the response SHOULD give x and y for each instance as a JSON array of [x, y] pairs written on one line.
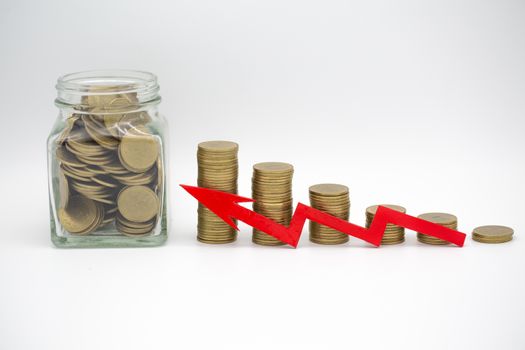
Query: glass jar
[[107, 161]]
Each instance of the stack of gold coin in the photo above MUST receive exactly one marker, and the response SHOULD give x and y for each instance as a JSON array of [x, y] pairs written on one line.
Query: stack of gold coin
[[107, 154], [272, 192], [333, 199], [492, 234], [443, 219], [393, 234], [218, 170]]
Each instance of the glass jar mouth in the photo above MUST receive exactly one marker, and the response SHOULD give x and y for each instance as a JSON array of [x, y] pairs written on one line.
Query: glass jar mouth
[[72, 87]]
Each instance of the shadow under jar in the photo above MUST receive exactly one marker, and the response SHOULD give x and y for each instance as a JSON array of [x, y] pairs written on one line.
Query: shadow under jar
[[106, 161]]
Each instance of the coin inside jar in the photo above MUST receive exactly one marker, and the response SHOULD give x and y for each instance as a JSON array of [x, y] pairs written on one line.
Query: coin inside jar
[[138, 150], [81, 215], [138, 203], [63, 187]]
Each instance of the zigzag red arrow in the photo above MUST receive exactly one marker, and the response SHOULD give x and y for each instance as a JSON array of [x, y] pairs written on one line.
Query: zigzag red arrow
[[225, 206]]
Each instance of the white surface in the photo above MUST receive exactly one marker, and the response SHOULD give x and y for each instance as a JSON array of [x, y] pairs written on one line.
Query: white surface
[[413, 102]]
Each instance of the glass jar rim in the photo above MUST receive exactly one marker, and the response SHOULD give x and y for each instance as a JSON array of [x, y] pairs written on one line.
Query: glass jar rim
[[113, 81]]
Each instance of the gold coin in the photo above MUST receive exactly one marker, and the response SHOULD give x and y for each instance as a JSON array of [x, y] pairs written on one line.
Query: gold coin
[[115, 168], [218, 147], [72, 175], [138, 203], [66, 157], [372, 210], [329, 190], [99, 133], [492, 234], [82, 172], [105, 181], [80, 215], [135, 179], [63, 188], [430, 240], [225, 240], [439, 218], [273, 168], [138, 151], [135, 225]]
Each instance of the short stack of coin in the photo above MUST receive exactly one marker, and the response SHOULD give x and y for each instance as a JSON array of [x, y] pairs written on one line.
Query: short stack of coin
[[218, 170], [333, 199], [492, 234], [443, 219], [393, 234], [272, 192], [102, 152]]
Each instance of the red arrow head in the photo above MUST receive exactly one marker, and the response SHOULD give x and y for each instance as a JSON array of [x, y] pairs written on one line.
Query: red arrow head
[[220, 203]]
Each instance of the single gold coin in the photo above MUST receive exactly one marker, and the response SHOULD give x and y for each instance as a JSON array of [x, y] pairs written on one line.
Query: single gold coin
[[138, 150], [79, 216], [272, 167], [439, 218], [330, 190], [66, 157], [63, 188], [218, 146], [138, 203], [372, 210], [492, 234]]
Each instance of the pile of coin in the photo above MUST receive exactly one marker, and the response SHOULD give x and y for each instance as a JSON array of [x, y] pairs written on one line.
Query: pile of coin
[[333, 199], [218, 170], [443, 219], [492, 234], [109, 168], [272, 192], [394, 234]]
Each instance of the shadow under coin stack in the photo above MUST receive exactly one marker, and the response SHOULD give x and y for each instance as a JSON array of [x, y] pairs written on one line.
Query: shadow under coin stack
[[332, 199], [218, 170], [272, 192], [443, 219], [109, 168], [393, 234]]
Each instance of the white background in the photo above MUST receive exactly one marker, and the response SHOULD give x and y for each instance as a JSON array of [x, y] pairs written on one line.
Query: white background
[[418, 103]]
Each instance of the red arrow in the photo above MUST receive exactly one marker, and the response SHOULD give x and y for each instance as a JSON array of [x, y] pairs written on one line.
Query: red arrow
[[225, 205]]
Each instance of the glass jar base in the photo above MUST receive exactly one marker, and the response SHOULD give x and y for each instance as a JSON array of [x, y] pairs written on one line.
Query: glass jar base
[[108, 241]]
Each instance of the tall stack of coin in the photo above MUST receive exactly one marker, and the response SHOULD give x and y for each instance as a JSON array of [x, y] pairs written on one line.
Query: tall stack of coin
[[393, 234], [492, 234], [272, 192], [333, 199], [443, 219], [218, 170], [110, 169]]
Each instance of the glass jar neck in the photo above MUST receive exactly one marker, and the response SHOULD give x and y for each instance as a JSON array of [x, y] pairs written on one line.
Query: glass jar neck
[[107, 91]]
